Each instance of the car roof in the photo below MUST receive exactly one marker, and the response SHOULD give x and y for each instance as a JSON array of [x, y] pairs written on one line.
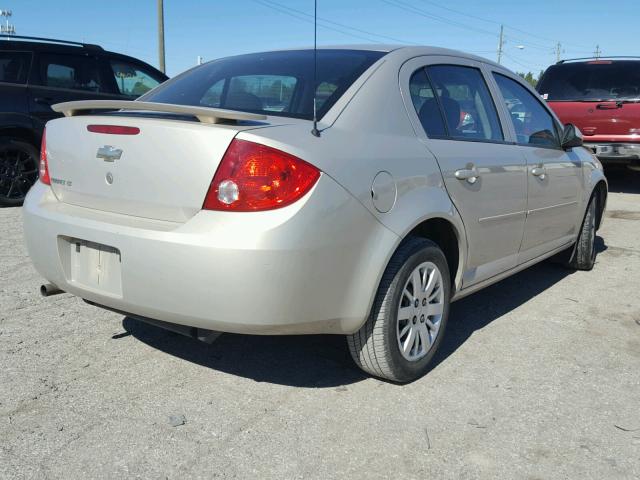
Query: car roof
[[44, 44], [408, 50], [63, 46], [599, 59]]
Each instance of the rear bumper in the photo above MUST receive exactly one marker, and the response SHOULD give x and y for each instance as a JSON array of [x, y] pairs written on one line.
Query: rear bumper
[[312, 267], [615, 152]]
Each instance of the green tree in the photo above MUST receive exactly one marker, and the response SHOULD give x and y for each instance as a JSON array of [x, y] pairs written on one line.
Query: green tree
[[529, 78]]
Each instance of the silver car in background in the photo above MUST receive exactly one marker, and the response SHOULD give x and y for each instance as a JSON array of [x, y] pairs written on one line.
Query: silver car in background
[[210, 204]]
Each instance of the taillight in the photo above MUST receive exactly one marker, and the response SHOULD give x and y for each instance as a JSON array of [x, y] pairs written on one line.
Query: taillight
[[113, 129], [44, 165], [253, 177]]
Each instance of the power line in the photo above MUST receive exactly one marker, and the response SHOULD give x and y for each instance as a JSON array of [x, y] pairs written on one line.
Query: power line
[[341, 25], [527, 66], [476, 17], [415, 10], [411, 9], [305, 17]]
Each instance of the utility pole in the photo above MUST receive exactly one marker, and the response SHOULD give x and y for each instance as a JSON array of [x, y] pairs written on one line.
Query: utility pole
[[7, 28], [501, 43], [161, 35], [558, 51], [598, 52]]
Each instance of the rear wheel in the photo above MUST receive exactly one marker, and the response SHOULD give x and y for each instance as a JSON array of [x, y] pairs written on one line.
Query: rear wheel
[[18, 170], [409, 314]]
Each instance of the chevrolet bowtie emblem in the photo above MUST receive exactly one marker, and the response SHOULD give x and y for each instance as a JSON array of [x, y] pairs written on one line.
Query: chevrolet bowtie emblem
[[109, 153]]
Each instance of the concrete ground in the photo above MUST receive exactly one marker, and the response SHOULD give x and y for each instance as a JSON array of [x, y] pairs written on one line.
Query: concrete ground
[[539, 377]]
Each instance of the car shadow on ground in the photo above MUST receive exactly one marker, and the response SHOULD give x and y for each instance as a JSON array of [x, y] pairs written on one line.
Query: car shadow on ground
[[323, 361]]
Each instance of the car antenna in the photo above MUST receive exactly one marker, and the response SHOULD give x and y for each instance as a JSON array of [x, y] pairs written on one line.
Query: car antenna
[[315, 132]]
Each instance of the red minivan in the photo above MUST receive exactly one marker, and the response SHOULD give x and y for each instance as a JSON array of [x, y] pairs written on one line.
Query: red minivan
[[602, 97]]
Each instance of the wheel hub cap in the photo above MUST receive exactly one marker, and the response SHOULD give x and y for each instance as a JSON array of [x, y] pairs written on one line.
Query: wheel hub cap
[[420, 311]]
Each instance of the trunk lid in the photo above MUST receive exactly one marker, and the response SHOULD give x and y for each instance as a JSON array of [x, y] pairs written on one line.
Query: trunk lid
[[163, 172], [600, 118]]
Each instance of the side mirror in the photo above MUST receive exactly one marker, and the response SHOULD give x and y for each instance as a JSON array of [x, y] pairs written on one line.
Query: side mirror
[[571, 137]]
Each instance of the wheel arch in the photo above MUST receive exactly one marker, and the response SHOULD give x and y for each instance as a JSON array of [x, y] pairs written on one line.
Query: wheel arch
[[600, 192], [21, 133], [444, 233]]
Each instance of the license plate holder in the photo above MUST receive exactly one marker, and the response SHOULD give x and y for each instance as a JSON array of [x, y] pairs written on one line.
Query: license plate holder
[[95, 266]]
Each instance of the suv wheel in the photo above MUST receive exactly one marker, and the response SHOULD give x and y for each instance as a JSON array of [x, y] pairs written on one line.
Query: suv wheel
[[409, 314], [18, 170]]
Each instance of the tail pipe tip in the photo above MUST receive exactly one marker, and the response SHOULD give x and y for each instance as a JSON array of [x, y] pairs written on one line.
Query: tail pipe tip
[[49, 289]]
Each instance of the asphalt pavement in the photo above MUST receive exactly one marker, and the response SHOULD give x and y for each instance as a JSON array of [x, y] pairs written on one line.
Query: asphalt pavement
[[538, 378]]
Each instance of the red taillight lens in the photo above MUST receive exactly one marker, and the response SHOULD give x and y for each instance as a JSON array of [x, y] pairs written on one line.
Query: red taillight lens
[[253, 177], [44, 165], [113, 129]]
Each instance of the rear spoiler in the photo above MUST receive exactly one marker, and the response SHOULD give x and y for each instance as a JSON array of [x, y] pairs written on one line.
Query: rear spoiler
[[204, 114]]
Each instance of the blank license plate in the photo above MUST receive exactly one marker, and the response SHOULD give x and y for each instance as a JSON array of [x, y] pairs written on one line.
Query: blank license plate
[[95, 266]]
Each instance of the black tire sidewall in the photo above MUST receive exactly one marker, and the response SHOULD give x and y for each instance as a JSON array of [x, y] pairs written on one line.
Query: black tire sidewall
[[9, 143], [405, 370], [591, 232]]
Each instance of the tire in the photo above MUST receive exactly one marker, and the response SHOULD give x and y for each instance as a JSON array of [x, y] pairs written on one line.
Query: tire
[[376, 347], [18, 170], [584, 252]]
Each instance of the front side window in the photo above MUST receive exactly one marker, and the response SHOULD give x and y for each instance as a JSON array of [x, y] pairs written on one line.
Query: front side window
[[273, 83], [132, 80], [533, 124], [74, 72], [466, 103], [14, 66]]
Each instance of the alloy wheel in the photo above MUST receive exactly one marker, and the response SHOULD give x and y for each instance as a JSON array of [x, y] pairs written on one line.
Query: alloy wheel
[[420, 311], [18, 171]]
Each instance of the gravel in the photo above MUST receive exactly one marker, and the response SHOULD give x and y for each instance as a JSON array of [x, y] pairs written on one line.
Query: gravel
[[538, 377]]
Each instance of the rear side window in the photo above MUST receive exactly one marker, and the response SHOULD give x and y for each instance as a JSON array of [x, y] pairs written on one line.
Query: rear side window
[[14, 66], [75, 72], [533, 124], [465, 100], [273, 83], [132, 80], [454, 101], [426, 105]]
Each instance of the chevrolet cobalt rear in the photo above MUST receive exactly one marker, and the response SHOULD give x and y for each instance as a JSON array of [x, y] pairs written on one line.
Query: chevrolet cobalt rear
[[217, 203]]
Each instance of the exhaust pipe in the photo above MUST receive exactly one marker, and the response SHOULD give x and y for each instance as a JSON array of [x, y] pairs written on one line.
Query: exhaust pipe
[[49, 289]]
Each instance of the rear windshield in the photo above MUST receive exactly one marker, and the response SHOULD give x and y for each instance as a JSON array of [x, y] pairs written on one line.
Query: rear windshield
[[597, 80], [272, 83]]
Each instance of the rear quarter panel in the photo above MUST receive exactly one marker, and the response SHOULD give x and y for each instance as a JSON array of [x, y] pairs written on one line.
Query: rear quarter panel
[[373, 134]]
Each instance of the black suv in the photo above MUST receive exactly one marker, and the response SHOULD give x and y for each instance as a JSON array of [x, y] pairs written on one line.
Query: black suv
[[36, 73]]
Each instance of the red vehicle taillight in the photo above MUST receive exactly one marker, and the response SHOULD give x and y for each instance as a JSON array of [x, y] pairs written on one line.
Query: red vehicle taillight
[[253, 177], [44, 165]]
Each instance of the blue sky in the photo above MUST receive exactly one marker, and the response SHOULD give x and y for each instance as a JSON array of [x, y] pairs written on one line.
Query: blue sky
[[216, 28]]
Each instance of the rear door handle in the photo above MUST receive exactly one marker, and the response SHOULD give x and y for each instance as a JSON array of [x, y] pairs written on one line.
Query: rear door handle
[[608, 106], [540, 172], [469, 174]]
